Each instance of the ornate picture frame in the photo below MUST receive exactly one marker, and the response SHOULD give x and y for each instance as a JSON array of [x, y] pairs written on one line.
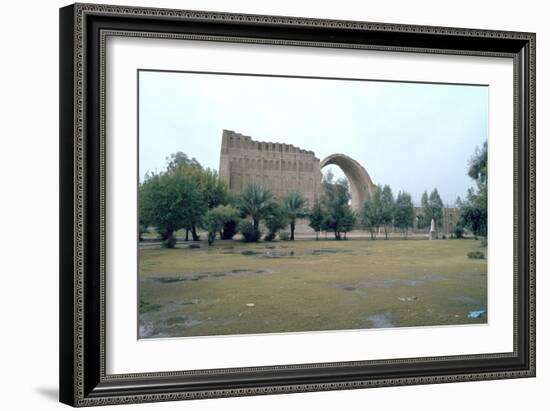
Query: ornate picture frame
[[84, 29]]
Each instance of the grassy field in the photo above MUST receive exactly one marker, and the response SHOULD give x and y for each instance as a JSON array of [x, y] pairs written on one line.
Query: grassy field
[[237, 288]]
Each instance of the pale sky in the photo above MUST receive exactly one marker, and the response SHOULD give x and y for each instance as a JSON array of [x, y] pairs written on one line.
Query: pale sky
[[412, 136]]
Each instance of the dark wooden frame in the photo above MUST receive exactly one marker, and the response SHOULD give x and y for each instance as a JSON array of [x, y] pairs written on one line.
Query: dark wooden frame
[[83, 29]]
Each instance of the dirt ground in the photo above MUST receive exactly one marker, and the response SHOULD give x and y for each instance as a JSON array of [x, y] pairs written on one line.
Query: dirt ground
[[306, 285]]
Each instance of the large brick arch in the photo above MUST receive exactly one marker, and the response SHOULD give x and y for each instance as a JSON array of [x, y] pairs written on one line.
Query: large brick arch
[[360, 182]]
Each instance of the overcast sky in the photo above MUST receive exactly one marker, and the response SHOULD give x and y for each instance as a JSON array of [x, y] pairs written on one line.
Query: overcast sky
[[413, 137]]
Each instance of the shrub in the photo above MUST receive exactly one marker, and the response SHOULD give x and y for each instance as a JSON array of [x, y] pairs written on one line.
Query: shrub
[[229, 229], [211, 237], [458, 231], [484, 242], [284, 235], [226, 219], [249, 232], [476, 255], [212, 224], [270, 236], [170, 242], [276, 220], [143, 229], [216, 221]]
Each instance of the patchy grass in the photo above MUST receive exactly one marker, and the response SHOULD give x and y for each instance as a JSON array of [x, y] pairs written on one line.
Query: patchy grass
[[237, 288], [476, 255], [145, 307]]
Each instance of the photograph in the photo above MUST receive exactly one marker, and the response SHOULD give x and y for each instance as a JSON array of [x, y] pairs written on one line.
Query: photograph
[[286, 204]]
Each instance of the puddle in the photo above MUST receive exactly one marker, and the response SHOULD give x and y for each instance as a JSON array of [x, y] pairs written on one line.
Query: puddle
[[191, 302], [282, 251], [201, 276], [386, 283], [465, 299], [380, 321], [408, 299], [166, 280], [145, 330], [158, 329], [182, 321], [330, 251], [162, 322], [247, 252], [432, 277], [267, 253]]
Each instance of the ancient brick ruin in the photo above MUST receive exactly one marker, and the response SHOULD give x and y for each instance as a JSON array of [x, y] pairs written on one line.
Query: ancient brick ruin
[[284, 168], [280, 167]]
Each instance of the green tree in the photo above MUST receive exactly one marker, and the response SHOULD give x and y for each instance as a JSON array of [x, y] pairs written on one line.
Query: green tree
[[403, 216], [181, 193], [142, 226], [423, 219], [230, 228], [473, 212], [212, 225], [458, 230], [295, 206], [432, 206], [436, 208], [386, 208], [275, 220], [212, 188], [256, 202], [179, 159], [336, 205], [205, 180], [370, 214], [325, 222], [218, 218], [170, 201], [316, 218], [249, 232], [348, 221], [477, 169]]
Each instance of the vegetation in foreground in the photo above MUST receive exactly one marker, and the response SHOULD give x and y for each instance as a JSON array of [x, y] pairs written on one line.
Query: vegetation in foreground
[[238, 288]]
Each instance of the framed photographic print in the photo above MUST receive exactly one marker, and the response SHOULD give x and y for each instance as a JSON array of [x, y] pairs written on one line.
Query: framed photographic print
[[262, 204]]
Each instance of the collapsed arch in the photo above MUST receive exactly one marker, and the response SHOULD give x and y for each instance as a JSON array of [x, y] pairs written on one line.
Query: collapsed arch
[[360, 182]]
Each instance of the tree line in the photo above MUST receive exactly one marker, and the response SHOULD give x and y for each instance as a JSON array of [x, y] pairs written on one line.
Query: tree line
[[188, 196], [381, 211], [473, 209]]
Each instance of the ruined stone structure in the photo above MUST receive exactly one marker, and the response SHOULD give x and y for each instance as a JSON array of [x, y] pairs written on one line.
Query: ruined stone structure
[[359, 180], [280, 167], [450, 218], [284, 167]]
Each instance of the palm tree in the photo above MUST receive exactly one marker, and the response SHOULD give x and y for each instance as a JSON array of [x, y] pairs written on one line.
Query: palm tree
[[255, 201], [296, 207]]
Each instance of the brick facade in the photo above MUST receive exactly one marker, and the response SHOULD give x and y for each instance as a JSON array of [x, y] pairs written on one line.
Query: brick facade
[[280, 167]]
